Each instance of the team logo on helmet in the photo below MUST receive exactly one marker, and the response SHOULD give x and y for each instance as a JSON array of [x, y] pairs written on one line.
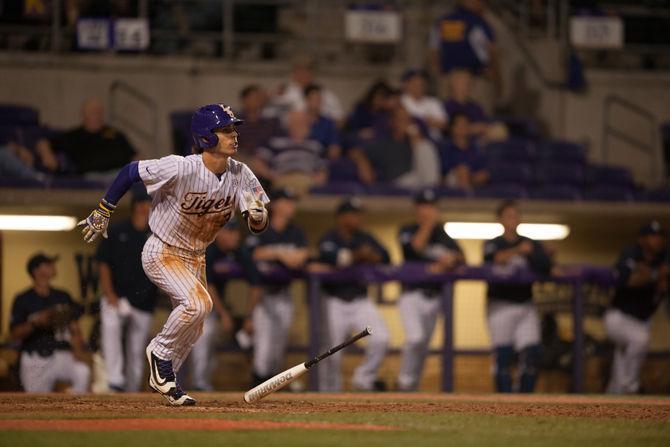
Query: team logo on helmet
[[227, 110]]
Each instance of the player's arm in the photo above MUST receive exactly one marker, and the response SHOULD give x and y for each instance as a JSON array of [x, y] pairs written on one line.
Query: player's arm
[[98, 221], [220, 309], [252, 200]]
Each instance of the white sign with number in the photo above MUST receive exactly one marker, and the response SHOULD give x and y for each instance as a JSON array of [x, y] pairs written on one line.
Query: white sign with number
[[131, 34], [93, 34], [596, 32], [373, 26]]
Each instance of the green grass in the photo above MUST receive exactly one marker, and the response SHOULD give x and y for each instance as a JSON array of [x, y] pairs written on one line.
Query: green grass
[[414, 430]]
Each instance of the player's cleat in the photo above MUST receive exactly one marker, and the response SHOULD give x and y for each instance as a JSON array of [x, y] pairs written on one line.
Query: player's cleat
[[178, 397], [162, 380]]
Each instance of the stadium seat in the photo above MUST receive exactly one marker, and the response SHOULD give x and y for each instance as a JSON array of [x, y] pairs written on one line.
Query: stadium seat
[[514, 149], [656, 195], [556, 192], [502, 191], [519, 127], [342, 170], [17, 115], [504, 171], [444, 191], [565, 173], [609, 193], [563, 151], [342, 188], [609, 175]]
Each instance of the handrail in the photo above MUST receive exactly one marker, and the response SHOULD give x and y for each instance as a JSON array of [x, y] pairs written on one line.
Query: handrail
[[117, 117], [651, 148]]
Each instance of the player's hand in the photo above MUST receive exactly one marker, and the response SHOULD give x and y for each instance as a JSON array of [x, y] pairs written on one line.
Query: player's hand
[[248, 325], [97, 222], [255, 207]]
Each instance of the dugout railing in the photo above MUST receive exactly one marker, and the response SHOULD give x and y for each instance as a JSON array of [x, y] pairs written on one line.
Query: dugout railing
[[575, 278]]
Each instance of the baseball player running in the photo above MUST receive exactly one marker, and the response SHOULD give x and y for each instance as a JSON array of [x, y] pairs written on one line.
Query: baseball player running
[[192, 198], [512, 318], [424, 241]]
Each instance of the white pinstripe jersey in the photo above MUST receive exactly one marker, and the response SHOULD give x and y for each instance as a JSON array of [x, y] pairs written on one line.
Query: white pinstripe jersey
[[190, 203]]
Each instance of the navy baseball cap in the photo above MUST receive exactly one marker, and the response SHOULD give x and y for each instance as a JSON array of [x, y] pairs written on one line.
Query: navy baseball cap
[[653, 227], [350, 205], [38, 259], [414, 72], [425, 196], [283, 193]]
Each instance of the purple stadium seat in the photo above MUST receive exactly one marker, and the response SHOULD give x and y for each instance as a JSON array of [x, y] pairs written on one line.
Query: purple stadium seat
[[563, 151], [346, 188], [180, 124], [609, 193], [444, 191], [556, 192], [386, 190], [7, 133], [514, 149], [559, 173], [609, 175], [503, 171], [17, 115], [342, 170], [657, 195], [7, 182], [519, 127], [78, 183], [502, 191]]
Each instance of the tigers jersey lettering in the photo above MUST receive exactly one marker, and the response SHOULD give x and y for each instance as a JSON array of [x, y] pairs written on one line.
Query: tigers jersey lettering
[[191, 203]]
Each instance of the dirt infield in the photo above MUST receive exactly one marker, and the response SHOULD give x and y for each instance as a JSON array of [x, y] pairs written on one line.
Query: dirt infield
[[36, 408], [164, 424]]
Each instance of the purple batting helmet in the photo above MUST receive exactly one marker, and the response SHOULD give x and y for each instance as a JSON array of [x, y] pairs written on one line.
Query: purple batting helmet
[[207, 119]]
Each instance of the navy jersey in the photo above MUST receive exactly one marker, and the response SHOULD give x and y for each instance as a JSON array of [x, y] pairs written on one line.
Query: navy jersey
[[218, 263], [43, 341], [463, 39], [122, 252], [329, 247], [538, 261], [292, 237], [439, 243], [639, 302]]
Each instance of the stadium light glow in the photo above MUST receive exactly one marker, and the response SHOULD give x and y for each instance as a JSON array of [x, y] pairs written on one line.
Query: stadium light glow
[[36, 223], [484, 230]]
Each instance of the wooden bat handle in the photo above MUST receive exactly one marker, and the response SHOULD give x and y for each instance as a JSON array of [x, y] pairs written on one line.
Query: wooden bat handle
[[364, 333]]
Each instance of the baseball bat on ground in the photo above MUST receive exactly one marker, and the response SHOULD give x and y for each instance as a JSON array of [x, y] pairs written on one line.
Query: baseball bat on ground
[[284, 378]]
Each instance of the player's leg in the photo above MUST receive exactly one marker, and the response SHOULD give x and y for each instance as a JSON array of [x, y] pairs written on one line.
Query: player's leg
[[264, 319], [417, 326], [201, 356], [616, 331], [111, 327], [527, 343], [336, 329], [137, 335], [283, 311], [501, 319], [68, 368], [365, 313], [179, 276], [37, 373], [635, 352]]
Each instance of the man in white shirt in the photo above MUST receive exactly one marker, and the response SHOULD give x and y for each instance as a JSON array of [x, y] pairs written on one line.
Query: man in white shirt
[[420, 105]]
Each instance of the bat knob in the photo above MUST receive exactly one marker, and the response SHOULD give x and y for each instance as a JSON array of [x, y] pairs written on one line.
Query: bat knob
[[368, 329]]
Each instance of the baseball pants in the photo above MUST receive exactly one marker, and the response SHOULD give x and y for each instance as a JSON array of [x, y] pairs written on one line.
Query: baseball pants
[[631, 339], [124, 371], [181, 275], [202, 358], [418, 313], [513, 324], [40, 374], [342, 318], [272, 319]]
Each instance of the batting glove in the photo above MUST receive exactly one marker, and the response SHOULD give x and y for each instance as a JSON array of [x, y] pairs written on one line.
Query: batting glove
[[97, 222], [256, 209]]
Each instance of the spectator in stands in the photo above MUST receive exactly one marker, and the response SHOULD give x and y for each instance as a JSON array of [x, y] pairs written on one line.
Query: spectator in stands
[[221, 257], [460, 101], [258, 128], [283, 245], [369, 111], [347, 305], [463, 164], [643, 279], [513, 321], [44, 322], [323, 129], [129, 297], [293, 160], [422, 106], [18, 162], [94, 148], [425, 242], [403, 157], [292, 95], [463, 39]]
